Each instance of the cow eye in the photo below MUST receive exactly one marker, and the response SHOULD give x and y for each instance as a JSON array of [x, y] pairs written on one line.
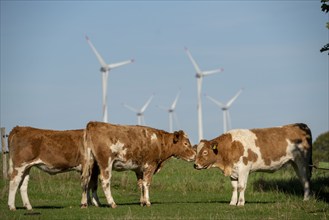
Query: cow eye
[[205, 153]]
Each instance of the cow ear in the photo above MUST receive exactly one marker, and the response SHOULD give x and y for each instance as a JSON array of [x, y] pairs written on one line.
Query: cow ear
[[214, 148], [176, 136]]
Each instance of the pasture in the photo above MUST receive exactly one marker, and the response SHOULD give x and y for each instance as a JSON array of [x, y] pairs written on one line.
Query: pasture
[[177, 192]]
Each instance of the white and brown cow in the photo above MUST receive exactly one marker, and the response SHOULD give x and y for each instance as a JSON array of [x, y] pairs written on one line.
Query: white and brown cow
[[239, 152], [51, 151], [137, 148]]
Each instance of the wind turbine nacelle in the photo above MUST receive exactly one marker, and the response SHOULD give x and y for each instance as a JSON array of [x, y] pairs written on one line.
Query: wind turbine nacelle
[[139, 114], [198, 75], [104, 69]]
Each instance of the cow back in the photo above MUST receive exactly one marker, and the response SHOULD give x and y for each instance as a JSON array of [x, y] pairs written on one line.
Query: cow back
[[58, 149]]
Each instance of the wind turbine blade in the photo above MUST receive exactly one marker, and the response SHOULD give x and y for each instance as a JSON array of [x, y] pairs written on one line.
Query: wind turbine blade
[[130, 108], [221, 105], [146, 104], [196, 66], [233, 99], [99, 57], [115, 65], [210, 72], [173, 106]]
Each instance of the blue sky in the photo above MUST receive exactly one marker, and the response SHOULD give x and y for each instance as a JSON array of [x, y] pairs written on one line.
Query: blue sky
[[50, 78]]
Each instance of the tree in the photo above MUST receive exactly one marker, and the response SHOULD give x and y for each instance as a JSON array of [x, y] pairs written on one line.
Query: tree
[[325, 9], [321, 148]]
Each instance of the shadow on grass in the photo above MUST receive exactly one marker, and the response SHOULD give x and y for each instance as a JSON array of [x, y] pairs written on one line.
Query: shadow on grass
[[183, 202], [319, 187]]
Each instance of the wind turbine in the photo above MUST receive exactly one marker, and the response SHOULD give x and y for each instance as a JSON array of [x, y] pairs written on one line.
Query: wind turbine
[[199, 76], [171, 112], [225, 108], [140, 112], [105, 69]]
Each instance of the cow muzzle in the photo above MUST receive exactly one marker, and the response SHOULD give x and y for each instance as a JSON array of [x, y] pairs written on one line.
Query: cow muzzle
[[198, 167]]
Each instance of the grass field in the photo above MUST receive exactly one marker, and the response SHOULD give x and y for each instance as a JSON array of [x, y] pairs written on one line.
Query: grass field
[[177, 192]]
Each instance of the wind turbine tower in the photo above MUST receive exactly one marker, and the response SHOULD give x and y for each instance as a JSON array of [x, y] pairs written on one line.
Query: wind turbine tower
[[105, 69], [140, 112], [199, 76], [171, 112], [225, 109]]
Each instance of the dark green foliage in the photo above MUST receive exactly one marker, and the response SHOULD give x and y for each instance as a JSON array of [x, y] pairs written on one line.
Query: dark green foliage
[[321, 148], [325, 8]]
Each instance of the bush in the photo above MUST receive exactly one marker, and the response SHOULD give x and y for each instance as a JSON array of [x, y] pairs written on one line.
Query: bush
[[321, 148]]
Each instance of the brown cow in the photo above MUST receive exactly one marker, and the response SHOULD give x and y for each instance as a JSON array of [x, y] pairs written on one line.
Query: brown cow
[[239, 152], [51, 151], [137, 148]]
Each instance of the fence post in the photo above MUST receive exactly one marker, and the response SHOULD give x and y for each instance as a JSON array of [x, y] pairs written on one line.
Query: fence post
[[4, 154]]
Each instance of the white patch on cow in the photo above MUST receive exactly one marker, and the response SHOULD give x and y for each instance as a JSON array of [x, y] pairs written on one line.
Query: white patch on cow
[[77, 168], [248, 139], [118, 149], [10, 170], [119, 165], [245, 136], [154, 137], [199, 147], [146, 166]]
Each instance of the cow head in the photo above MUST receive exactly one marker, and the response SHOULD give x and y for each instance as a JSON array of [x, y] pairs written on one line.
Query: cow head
[[206, 154], [183, 147]]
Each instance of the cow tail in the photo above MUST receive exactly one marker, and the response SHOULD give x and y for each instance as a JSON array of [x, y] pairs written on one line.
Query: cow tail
[[88, 160], [307, 146], [10, 144], [310, 156]]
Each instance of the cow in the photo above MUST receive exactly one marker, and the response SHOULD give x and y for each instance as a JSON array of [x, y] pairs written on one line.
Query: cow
[[51, 151], [131, 147], [241, 151]]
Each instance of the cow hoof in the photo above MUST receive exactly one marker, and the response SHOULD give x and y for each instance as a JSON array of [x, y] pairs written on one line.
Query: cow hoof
[[28, 207], [12, 208], [148, 204], [113, 205], [84, 206]]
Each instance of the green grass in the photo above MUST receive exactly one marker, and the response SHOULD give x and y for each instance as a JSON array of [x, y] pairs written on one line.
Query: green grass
[[177, 192]]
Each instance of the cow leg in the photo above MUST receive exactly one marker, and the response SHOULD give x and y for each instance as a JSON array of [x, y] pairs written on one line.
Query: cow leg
[[93, 186], [106, 183], [147, 178], [242, 184], [302, 171], [14, 183], [234, 199], [139, 176], [23, 189], [88, 180]]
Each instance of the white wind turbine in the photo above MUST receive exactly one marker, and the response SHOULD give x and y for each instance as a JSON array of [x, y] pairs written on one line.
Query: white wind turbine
[[171, 112], [140, 112], [105, 69], [199, 76], [225, 108]]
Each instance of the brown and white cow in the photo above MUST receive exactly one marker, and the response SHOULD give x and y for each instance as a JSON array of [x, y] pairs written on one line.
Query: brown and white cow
[[51, 151], [239, 152], [137, 148]]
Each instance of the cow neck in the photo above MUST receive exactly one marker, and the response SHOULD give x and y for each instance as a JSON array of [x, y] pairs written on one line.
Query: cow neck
[[167, 148]]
